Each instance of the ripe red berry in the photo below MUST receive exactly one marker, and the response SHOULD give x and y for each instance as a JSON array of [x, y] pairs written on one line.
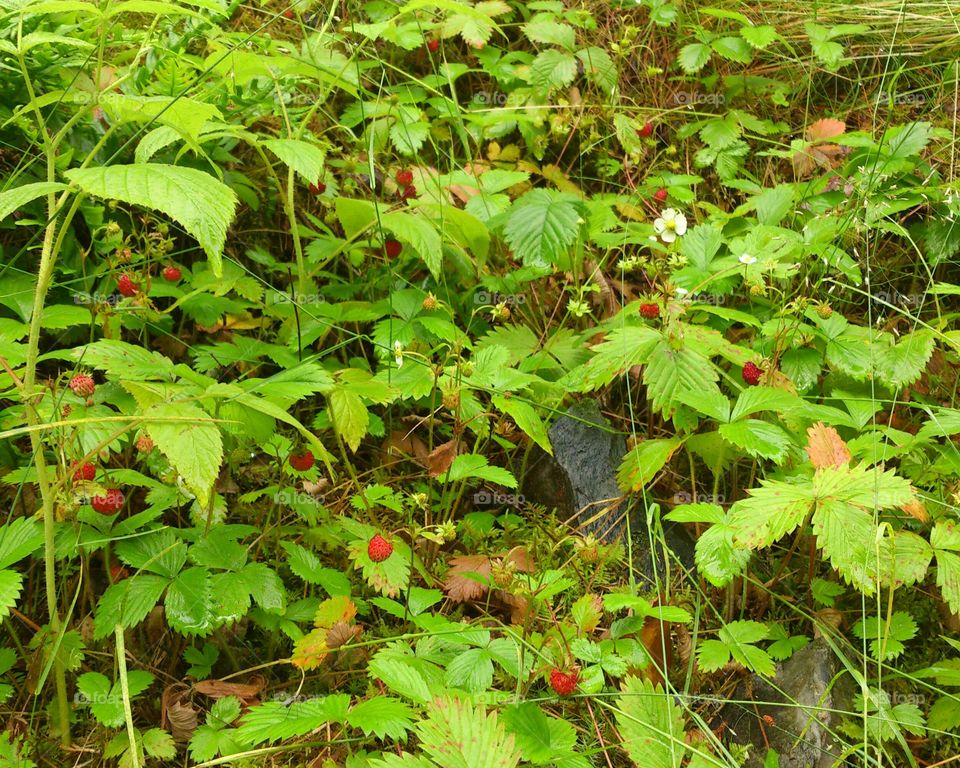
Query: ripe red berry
[[85, 471], [564, 683], [650, 311], [751, 374], [645, 130], [660, 195], [404, 178], [319, 188], [82, 385], [109, 504], [118, 573], [392, 248], [172, 273], [408, 192], [126, 286], [301, 461], [433, 45], [379, 549], [288, 14]]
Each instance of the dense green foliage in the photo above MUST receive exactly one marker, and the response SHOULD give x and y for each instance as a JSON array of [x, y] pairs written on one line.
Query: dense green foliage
[[290, 294]]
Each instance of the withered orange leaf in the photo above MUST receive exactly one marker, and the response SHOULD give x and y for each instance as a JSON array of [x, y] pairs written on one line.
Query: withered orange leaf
[[825, 447], [468, 578], [441, 457]]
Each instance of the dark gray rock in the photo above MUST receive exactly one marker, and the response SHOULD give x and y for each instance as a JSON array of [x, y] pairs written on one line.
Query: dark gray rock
[[579, 481], [804, 701]]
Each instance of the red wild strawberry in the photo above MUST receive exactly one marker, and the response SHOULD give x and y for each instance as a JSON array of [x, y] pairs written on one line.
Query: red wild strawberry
[[118, 573], [379, 549], [564, 683], [172, 273], [650, 311], [109, 504], [404, 178], [288, 14], [645, 130], [82, 385], [660, 195], [392, 248], [126, 286], [301, 461], [408, 192], [433, 45], [751, 374], [319, 188], [85, 471]]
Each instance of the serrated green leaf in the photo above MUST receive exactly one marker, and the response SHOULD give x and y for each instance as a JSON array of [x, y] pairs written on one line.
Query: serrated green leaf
[[349, 416], [383, 717], [304, 158], [474, 465], [191, 442], [456, 735], [14, 199], [553, 69], [651, 725], [272, 721], [693, 57], [203, 206], [188, 605], [718, 558], [644, 461], [759, 37], [19, 538], [542, 225], [541, 739], [769, 513], [758, 438], [127, 603]]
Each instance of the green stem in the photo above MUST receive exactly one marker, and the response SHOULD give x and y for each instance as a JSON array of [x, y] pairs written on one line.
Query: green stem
[[135, 761]]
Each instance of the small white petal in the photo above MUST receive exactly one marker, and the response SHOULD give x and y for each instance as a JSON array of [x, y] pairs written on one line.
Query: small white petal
[[668, 236], [748, 259]]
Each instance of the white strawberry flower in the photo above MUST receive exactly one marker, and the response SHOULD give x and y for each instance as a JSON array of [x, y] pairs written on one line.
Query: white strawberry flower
[[670, 225], [748, 259], [398, 353]]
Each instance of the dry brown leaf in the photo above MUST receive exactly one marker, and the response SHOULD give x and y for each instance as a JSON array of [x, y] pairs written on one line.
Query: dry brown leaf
[[825, 447], [462, 584], [246, 692], [916, 509], [342, 633], [177, 711], [827, 128], [824, 155], [440, 458], [521, 558], [406, 444], [827, 617]]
